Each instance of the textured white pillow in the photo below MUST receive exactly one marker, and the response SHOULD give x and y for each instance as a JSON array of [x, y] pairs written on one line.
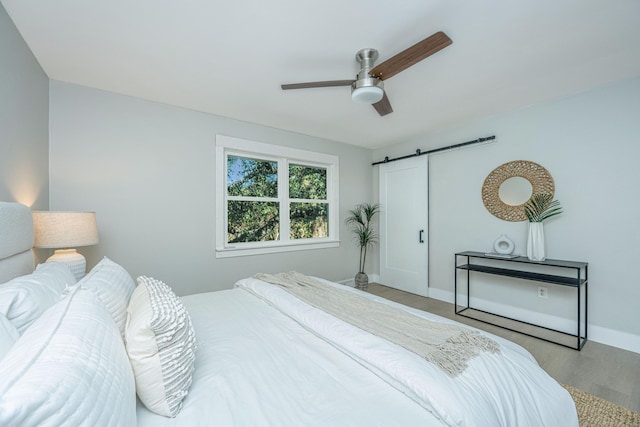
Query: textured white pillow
[[113, 285], [69, 368], [8, 335], [25, 298], [161, 345]]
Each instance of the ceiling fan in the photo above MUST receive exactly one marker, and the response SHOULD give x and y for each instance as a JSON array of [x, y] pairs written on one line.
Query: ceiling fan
[[368, 86]]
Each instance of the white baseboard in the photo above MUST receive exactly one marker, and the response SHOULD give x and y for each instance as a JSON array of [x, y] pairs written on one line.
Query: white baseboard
[[373, 278], [347, 282], [623, 340], [614, 338], [441, 295]]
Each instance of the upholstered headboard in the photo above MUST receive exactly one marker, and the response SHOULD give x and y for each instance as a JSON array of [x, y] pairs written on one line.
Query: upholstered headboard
[[16, 241]]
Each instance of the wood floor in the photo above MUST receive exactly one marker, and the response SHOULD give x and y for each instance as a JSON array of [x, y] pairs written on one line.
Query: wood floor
[[608, 372]]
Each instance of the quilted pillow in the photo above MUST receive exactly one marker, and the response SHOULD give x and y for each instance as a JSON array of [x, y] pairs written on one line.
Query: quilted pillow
[[25, 298], [113, 285], [69, 368], [161, 345], [8, 335]]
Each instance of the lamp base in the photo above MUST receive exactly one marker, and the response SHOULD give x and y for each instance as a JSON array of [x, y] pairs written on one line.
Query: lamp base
[[75, 261]]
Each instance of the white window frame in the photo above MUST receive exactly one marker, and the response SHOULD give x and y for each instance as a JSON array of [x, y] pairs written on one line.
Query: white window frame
[[227, 145]]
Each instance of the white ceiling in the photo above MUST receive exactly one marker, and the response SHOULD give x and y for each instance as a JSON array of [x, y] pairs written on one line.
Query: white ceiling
[[230, 57]]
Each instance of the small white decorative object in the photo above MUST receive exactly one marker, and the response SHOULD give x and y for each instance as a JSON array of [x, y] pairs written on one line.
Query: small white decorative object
[[503, 245], [535, 242]]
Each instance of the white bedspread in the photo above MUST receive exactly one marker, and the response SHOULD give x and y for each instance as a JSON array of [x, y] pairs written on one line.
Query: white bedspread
[[507, 389], [255, 367]]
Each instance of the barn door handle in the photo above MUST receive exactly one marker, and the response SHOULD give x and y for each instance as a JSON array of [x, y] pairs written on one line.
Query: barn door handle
[[420, 236]]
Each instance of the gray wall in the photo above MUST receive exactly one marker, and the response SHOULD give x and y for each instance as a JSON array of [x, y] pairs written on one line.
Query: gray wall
[[589, 143], [24, 121], [147, 169]]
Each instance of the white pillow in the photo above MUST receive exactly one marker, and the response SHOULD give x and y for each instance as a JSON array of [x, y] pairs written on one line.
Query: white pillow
[[69, 368], [113, 285], [25, 298], [161, 345], [8, 335]]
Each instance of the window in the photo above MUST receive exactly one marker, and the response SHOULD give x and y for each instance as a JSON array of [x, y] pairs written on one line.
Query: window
[[273, 199]]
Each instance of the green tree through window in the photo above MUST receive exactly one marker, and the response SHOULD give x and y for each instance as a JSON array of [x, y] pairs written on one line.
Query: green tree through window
[[308, 219], [253, 219], [273, 198], [253, 206], [251, 177]]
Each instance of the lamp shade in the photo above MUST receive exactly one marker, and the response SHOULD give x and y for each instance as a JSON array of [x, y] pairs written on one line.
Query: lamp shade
[[64, 229]]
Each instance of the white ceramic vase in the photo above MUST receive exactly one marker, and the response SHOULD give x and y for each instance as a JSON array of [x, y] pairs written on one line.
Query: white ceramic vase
[[503, 245], [535, 242]]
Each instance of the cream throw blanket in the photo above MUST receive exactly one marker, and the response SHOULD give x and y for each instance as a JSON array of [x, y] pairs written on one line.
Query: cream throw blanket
[[447, 346]]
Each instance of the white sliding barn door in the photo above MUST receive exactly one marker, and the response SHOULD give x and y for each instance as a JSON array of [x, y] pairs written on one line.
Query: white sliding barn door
[[403, 225]]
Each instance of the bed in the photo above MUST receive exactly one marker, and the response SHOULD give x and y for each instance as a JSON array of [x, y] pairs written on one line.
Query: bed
[[254, 355]]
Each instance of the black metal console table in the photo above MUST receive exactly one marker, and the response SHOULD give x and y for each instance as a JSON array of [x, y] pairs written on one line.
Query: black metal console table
[[520, 268]]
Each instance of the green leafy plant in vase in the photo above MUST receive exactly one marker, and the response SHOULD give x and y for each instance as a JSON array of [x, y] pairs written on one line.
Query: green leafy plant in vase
[[537, 209], [360, 222]]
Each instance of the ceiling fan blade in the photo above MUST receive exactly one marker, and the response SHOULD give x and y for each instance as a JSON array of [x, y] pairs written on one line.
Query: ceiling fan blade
[[411, 56], [328, 83], [383, 107]]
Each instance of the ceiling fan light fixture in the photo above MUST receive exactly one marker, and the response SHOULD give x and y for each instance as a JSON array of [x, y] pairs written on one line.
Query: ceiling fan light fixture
[[369, 90], [368, 86]]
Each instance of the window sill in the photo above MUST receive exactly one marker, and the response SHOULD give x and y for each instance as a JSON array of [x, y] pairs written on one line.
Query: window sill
[[237, 251]]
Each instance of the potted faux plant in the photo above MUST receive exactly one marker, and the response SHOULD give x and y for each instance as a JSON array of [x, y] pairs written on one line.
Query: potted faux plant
[[360, 221], [539, 208]]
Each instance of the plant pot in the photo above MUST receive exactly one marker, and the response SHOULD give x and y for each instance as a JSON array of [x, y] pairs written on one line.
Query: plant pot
[[362, 281], [535, 242]]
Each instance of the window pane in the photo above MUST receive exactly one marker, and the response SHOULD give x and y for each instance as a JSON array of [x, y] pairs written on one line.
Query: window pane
[[251, 177], [308, 220], [306, 182], [253, 221]]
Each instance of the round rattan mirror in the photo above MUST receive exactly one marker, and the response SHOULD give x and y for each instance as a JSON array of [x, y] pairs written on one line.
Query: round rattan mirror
[[539, 178]]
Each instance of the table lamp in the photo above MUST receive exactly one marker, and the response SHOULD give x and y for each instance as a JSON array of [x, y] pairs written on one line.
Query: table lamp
[[64, 231]]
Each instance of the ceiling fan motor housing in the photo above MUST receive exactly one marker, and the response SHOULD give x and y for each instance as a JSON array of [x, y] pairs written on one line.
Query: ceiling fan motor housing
[[365, 88]]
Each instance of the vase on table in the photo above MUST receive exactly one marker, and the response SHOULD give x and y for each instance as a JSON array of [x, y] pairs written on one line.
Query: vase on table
[[535, 242]]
